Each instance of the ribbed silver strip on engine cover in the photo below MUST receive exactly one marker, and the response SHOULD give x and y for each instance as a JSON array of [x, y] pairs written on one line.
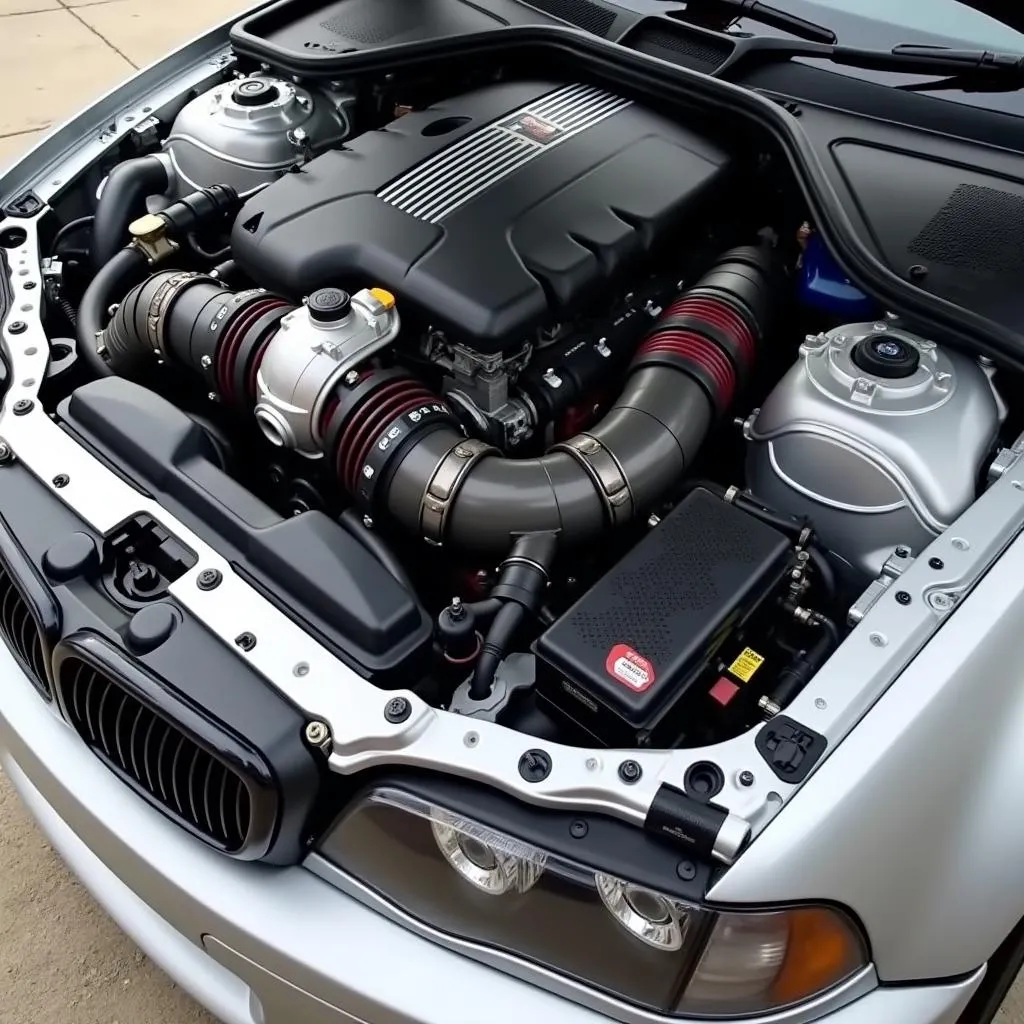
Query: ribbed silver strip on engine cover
[[449, 179]]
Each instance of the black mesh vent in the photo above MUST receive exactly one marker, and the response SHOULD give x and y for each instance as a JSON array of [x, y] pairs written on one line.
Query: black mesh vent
[[978, 228], [687, 49], [581, 13], [642, 603], [182, 777], [21, 633]]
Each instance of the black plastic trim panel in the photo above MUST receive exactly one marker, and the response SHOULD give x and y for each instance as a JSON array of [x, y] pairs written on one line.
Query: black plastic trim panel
[[180, 673]]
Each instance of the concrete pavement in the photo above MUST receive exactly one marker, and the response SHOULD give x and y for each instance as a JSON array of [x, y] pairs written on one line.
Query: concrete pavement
[[62, 961]]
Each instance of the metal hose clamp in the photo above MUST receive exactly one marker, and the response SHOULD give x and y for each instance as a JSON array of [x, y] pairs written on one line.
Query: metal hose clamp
[[444, 484], [168, 291], [604, 469]]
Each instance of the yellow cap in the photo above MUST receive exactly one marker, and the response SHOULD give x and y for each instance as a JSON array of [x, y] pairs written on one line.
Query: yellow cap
[[385, 298]]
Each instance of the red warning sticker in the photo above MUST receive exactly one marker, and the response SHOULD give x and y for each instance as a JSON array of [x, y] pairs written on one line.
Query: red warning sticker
[[629, 668]]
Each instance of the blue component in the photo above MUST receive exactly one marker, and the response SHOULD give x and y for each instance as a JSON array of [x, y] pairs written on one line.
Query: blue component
[[823, 285]]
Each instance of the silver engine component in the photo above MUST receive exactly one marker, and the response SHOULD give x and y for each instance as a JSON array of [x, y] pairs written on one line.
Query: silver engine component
[[878, 436], [315, 346], [479, 387], [246, 132]]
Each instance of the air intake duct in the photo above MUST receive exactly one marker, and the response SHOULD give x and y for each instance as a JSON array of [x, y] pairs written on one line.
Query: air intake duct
[[396, 448], [685, 374]]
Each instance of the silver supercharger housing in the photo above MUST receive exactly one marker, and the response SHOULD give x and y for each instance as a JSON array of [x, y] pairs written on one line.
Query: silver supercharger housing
[[875, 462], [316, 346]]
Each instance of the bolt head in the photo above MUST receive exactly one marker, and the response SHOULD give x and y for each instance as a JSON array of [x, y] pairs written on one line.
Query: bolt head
[[61, 480], [630, 772], [209, 579], [317, 734], [578, 829], [397, 710], [936, 563], [206, 362], [535, 766], [902, 597], [686, 870], [746, 778], [351, 378]]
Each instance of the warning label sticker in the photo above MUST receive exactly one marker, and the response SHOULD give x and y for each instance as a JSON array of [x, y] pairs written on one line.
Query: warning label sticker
[[747, 662], [629, 668]]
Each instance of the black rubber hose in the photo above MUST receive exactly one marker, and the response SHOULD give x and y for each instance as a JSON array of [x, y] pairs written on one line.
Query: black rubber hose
[[685, 374], [70, 228], [353, 525], [795, 676], [123, 199], [110, 284], [497, 642]]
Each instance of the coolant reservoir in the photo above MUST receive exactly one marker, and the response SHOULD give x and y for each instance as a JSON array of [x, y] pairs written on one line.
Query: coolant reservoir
[[878, 436]]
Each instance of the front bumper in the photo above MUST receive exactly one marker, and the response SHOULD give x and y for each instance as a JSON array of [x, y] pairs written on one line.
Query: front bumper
[[259, 945]]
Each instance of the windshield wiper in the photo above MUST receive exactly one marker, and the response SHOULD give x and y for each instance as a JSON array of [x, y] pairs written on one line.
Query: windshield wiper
[[733, 10], [907, 58]]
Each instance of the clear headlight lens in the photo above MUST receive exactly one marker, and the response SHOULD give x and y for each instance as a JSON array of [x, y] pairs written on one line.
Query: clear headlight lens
[[658, 920], [649, 948], [483, 857]]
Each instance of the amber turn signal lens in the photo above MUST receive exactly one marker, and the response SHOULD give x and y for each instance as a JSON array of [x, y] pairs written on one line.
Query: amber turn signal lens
[[822, 950]]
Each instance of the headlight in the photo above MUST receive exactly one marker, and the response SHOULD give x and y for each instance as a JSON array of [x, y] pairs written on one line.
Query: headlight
[[650, 948]]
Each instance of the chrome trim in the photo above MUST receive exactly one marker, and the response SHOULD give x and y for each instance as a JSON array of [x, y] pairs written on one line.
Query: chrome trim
[[863, 982], [449, 179]]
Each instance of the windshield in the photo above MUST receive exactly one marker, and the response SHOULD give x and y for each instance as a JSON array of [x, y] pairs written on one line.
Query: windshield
[[942, 17]]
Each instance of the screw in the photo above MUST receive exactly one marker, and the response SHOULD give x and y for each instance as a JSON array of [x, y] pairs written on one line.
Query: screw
[[936, 563], [591, 764], [209, 579], [206, 362], [22, 406], [746, 778], [301, 669], [535, 766], [630, 772], [960, 544], [317, 734], [61, 480], [457, 609], [18, 327], [820, 703], [878, 640], [578, 829], [902, 552], [398, 709], [351, 379], [917, 272], [940, 602], [246, 641], [902, 597], [686, 870], [5, 452], [368, 522], [29, 286]]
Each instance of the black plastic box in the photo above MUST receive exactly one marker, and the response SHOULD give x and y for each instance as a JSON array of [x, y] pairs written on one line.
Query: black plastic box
[[620, 661]]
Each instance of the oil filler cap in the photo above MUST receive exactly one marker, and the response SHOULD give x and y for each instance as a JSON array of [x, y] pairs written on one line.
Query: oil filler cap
[[887, 357], [328, 305], [255, 92]]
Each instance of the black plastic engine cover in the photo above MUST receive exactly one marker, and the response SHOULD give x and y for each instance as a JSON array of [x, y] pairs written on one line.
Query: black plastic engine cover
[[489, 213]]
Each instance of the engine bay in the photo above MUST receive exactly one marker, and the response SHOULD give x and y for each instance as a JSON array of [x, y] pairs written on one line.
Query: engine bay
[[542, 401]]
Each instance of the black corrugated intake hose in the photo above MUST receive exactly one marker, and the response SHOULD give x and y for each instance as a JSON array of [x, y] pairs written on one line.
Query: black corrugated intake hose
[[684, 375], [123, 199], [109, 283]]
